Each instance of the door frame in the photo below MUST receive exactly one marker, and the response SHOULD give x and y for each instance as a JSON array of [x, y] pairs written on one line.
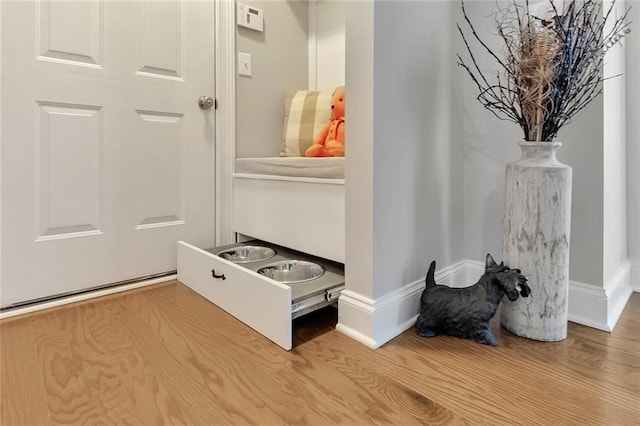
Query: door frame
[[1, 145], [225, 117]]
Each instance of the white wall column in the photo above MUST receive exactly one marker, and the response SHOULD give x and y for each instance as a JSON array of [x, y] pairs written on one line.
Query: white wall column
[[404, 163], [632, 44], [356, 302]]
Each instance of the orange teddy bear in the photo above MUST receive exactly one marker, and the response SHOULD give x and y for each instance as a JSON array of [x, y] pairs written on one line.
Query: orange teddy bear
[[330, 141]]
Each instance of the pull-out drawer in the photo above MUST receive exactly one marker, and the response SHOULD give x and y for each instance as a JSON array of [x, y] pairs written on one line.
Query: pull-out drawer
[[266, 305]]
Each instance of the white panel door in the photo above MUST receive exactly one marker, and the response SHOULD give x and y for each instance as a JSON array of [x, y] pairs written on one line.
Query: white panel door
[[107, 159]]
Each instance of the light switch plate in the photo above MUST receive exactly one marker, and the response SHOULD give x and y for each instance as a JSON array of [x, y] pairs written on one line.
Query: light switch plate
[[244, 64]]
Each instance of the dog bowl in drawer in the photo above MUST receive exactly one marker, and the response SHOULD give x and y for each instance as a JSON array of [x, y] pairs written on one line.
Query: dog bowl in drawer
[[246, 254], [292, 271]]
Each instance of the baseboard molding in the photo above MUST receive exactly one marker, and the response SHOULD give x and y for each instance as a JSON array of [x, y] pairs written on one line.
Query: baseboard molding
[[472, 272], [83, 296], [375, 322], [635, 276], [618, 290], [588, 305], [601, 307]]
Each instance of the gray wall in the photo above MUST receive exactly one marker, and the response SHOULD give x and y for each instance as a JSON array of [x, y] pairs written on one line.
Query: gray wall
[[279, 62], [406, 168], [491, 143], [632, 43], [583, 150]]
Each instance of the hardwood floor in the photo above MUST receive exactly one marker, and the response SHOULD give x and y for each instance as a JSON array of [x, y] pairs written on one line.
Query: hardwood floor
[[164, 355]]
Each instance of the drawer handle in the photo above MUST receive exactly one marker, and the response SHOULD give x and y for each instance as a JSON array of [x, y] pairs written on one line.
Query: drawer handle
[[213, 273]]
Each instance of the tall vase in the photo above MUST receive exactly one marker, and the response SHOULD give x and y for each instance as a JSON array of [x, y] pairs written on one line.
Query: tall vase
[[537, 225]]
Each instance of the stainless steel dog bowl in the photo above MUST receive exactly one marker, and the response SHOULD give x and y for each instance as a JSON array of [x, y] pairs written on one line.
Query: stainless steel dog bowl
[[292, 271], [246, 254]]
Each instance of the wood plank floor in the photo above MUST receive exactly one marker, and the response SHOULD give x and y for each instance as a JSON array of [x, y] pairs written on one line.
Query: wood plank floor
[[164, 355]]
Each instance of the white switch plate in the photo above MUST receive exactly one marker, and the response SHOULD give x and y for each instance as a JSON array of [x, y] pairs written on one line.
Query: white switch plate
[[244, 64]]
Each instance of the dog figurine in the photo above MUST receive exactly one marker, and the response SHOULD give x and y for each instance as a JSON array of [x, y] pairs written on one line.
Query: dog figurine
[[465, 312]]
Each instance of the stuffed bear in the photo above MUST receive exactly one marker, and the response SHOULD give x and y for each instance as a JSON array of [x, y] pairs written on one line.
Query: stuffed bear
[[330, 140]]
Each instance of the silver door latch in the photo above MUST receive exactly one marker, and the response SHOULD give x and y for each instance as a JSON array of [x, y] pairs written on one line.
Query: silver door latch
[[205, 102]]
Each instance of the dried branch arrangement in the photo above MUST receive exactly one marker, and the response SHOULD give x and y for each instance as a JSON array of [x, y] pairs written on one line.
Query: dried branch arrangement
[[552, 65]]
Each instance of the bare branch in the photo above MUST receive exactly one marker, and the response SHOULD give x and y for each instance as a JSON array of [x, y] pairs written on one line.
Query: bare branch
[[552, 69]]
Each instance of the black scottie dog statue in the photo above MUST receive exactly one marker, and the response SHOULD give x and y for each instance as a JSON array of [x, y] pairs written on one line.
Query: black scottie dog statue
[[465, 312]]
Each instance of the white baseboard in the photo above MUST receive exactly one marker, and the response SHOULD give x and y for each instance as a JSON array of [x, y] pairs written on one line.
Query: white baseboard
[[588, 305], [472, 272], [635, 276], [83, 296], [618, 290], [601, 307], [375, 322]]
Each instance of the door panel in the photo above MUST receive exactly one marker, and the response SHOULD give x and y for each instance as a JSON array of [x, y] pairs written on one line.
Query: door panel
[[161, 50], [107, 160], [160, 174], [68, 170], [70, 32]]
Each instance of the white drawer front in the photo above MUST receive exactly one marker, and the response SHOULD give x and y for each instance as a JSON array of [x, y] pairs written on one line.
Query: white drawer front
[[314, 223], [260, 302]]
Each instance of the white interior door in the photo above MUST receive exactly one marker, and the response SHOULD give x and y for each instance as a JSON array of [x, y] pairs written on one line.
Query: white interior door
[[107, 160]]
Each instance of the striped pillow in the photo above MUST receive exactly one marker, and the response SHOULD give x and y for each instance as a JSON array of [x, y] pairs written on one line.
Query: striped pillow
[[305, 114]]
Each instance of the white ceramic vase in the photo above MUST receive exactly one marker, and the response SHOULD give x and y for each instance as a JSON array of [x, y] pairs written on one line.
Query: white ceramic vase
[[537, 225]]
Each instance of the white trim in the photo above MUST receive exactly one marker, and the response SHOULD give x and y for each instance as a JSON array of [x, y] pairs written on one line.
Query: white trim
[[588, 305], [461, 274], [225, 82], [375, 322], [618, 290], [635, 276], [84, 296], [601, 307], [313, 45], [1, 149], [355, 335]]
